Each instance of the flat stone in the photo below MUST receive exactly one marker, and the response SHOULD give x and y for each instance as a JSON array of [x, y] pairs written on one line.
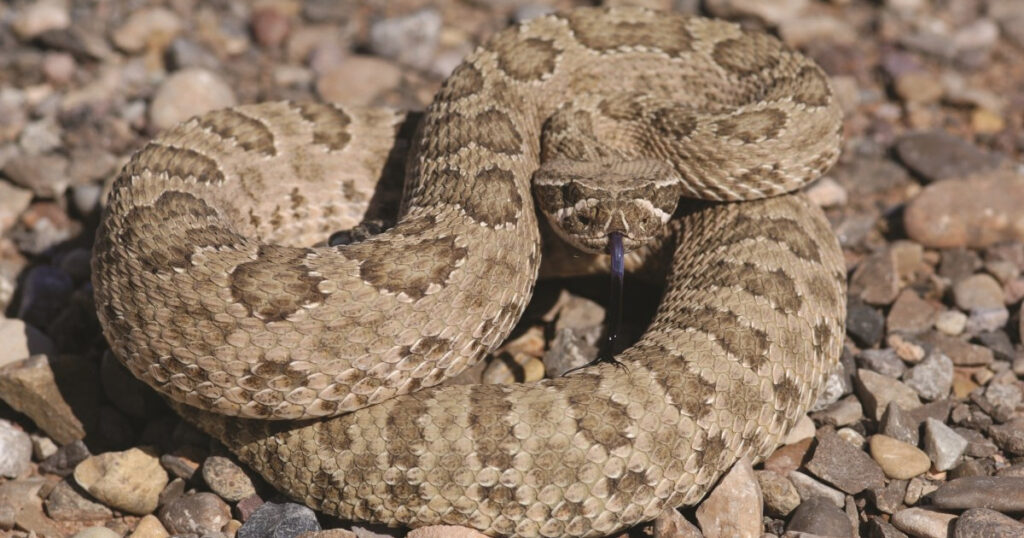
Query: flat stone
[[843, 465], [45, 175], [130, 481], [66, 503], [937, 155], [358, 80], [733, 508], [911, 314], [985, 523], [922, 523], [15, 450], [1009, 436], [279, 520], [1003, 494], [227, 479], [898, 459], [884, 361], [975, 212], [29, 387], [198, 513], [943, 445], [788, 458], [960, 352], [818, 516], [809, 488], [876, 280], [877, 391], [842, 413], [188, 93]]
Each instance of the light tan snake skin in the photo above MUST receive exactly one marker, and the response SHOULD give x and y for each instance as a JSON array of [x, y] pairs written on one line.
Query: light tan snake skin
[[208, 290]]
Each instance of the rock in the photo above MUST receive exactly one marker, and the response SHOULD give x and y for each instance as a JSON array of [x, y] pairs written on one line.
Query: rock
[[199, 513], [788, 458], [227, 479], [958, 263], [147, 28], [13, 201], [149, 527], [672, 524], [808, 488], [42, 226], [911, 314], [937, 155], [1009, 436], [270, 26], [877, 391], [898, 459], [984, 320], [922, 523], [358, 80], [17, 495], [978, 291], [279, 520], [15, 450], [443, 531], [42, 447], [66, 503], [932, 378], [35, 18], [899, 425], [889, 498], [883, 361], [780, 495], [45, 175], [63, 462], [1008, 395], [819, 517], [733, 508], [1003, 494], [951, 322], [411, 39], [22, 341], [876, 280], [29, 387], [770, 11], [96, 532], [976, 212], [842, 413], [130, 481], [188, 93], [843, 465], [960, 352], [864, 324], [918, 87], [826, 192], [985, 523], [943, 445]]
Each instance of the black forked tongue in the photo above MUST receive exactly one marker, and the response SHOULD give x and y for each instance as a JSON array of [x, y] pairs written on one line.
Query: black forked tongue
[[613, 315]]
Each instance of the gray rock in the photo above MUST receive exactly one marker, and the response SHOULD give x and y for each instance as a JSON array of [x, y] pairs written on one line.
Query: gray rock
[[877, 528], [972, 468], [278, 520], [951, 322], [987, 319], [884, 361], [898, 424], [808, 488], [932, 378], [45, 175], [876, 279], [1003, 494], [67, 503], [818, 516], [67, 457], [864, 324], [985, 523], [1009, 436], [943, 445], [889, 498], [411, 39], [843, 465], [15, 450], [999, 343], [227, 479], [958, 263], [937, 155], [960, 352], [877, 391], [1004, 394], [198, 513]]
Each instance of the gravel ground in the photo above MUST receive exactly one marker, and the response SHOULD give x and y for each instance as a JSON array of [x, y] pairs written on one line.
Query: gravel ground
[[919, 433]]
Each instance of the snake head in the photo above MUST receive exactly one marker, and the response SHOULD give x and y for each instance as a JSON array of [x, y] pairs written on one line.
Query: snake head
[[586, 202]]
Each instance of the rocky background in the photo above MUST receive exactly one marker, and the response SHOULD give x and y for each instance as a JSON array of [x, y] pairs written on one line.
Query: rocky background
[[920, 432]]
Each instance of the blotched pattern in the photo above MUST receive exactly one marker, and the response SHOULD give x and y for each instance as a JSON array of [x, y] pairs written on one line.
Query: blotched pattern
[[209, 288]]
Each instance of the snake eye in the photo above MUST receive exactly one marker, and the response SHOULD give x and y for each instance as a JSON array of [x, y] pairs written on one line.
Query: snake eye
[[572, 193]]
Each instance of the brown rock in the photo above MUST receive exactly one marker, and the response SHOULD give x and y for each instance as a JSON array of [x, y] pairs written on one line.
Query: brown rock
[[358, 80], [130, 481], [976, 212], [734, 507], [29, 387], [843, 465]]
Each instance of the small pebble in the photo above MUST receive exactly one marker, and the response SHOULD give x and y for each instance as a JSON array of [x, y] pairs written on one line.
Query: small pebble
[[96, 532], [843, 465], [809, 488], [937, 155], [864, 324], [227, 479], [827, 192], [943, 445], [898, 459], [951, 322], [876, 391], [932, 378], [15, 450], [152, 27], [922, 523], [883, 361], [198, 513], [149, 526], [817, 516], [358, 80], [411, 39], [188, 93], [987, 319], [979, 291]]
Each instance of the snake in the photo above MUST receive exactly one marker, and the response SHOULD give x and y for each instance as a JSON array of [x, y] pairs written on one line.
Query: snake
[[322, 366]]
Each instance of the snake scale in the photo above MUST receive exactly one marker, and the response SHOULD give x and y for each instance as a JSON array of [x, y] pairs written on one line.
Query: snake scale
[[312, 363]]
